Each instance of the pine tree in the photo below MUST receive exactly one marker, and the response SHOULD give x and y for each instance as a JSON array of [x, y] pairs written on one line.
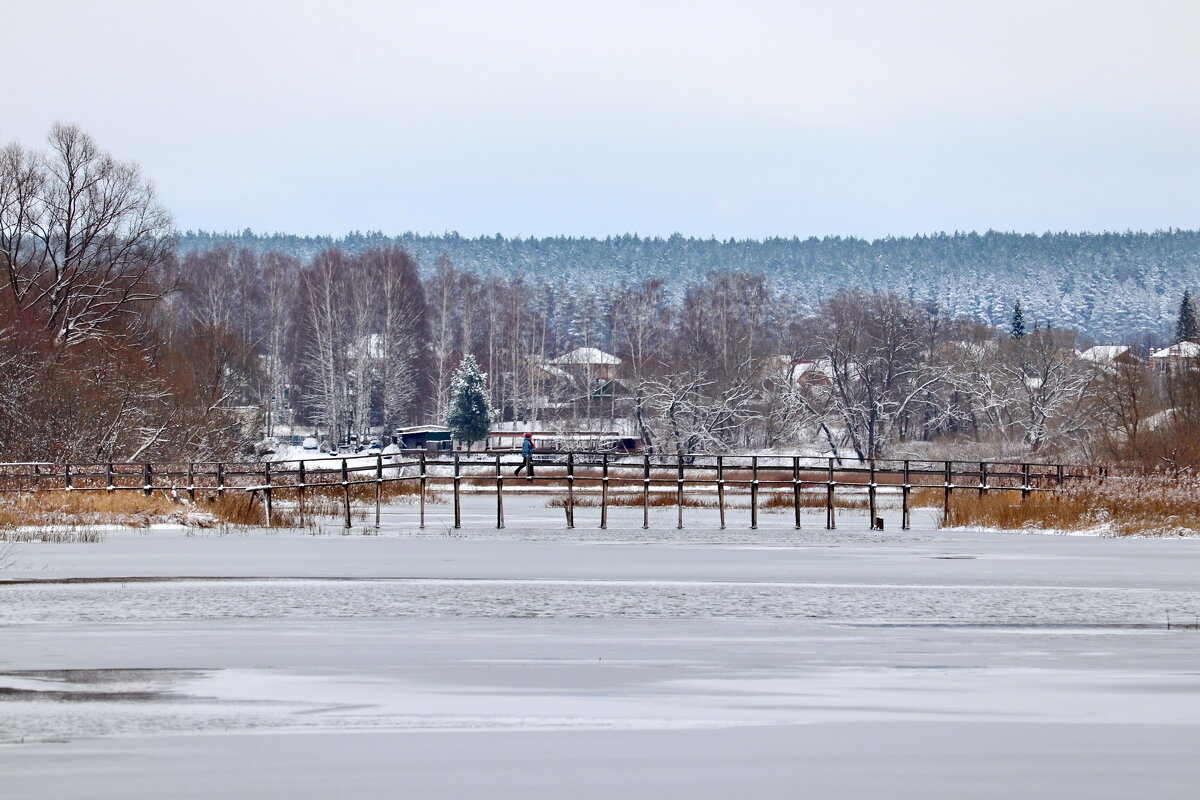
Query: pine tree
[[1018, 321], [469, 413], [1186, 329]]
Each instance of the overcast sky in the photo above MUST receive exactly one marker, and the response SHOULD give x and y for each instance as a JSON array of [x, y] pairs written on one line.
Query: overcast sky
[[744, 119]]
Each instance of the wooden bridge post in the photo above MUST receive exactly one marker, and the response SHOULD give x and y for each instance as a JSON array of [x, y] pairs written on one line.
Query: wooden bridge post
[[948, 487], [905, 488], [378, 486], [796, 488], [421, 500], [679, 493], [457, 480], [983, 477], [830, 519], [220, 479], [604, 491], [871, 498], [267, 490], [147, 480], [1024, 482], [1060, 476], [753, 493], [67, 476], [191, 479], [108, 477], [646, 493], [570, 490], [499, 495], [346, 489], [721, 489], [300, 491]]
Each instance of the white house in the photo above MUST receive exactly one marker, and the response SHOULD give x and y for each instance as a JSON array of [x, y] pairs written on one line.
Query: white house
[[590, 360], [1179, 355]]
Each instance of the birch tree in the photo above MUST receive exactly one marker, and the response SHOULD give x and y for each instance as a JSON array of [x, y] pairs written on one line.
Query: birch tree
[[443, 306], [403, 330], [325, 347], [280, 274]]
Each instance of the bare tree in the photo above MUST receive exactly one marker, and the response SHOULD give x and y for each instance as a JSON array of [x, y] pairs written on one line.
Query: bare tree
[[19, 363], [444, 300], [727, 325], [403, 331], [365, 348], [82, 238], [280, 273], [325, 346], [642, 326], [1032, 390], [691, 413], [871, 369]]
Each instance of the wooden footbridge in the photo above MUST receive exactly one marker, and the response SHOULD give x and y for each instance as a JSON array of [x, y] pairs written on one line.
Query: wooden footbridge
[[594, 478]]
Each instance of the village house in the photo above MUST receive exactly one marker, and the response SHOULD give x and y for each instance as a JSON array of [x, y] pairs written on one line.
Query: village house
[[589, 363], [1178, 356], [585, 382]]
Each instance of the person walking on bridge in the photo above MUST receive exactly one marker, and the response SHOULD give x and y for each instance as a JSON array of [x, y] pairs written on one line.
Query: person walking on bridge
[[526, 457]]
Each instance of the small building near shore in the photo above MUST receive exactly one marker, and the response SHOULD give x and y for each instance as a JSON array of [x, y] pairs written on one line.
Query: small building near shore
[[425, 437]]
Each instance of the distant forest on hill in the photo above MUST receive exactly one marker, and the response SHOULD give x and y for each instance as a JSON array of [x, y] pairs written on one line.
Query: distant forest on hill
[[1111, 287]]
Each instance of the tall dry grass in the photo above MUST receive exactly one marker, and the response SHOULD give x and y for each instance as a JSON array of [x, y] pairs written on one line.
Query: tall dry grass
[[657, 500], [767, 501], [56, 510], [1146, 506], [784, 501], [73, 509], [51, 534], [59, 510]]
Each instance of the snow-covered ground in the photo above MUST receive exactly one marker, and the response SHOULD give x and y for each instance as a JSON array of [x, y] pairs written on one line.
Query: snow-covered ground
[[540, 662]]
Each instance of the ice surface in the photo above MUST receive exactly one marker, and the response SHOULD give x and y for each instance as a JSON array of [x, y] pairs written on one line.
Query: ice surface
[[536, 661]]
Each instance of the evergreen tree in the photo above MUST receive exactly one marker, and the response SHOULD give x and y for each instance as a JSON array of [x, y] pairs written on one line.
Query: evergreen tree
[[1018, 321], [1186, 329], [469, 413]]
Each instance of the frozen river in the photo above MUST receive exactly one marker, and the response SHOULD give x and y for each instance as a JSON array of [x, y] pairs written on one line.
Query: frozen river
[[538, 662]]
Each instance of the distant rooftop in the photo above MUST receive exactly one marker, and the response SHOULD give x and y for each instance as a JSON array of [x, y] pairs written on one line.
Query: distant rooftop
[[586, 356], [1104, 353]]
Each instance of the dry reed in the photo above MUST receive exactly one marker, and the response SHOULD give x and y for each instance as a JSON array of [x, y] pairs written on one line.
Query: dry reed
[[657, 500], [784, 501], [73, 509], [1147, 506], [65, 509], [767, 501], [55, 534]]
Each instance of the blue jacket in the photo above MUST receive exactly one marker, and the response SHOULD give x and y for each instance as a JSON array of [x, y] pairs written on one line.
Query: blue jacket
[[526, 447]]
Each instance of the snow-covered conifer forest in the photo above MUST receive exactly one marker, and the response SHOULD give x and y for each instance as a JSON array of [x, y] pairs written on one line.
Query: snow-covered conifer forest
[[1120, 286]]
